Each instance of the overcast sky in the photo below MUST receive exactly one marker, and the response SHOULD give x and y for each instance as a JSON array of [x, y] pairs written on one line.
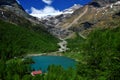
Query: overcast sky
[[41, 8]]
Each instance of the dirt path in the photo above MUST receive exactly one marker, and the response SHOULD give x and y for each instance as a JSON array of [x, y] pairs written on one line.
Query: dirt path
[[82, 36], [76, 20]]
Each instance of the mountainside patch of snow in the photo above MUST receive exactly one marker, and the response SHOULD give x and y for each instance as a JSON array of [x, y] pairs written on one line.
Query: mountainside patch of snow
[[49, 11]]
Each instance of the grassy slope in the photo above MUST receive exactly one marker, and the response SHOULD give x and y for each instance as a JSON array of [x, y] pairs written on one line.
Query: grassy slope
[[76, 44], [99, 54], [17, 40]]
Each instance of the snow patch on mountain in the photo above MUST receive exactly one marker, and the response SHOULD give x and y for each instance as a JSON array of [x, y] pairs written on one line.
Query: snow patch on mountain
[[117, 3], [49, 11], [71, 9]]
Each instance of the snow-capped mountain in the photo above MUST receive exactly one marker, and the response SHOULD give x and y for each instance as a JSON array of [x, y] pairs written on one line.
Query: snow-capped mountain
[[64, 12], [82, 19], [52, 21], [71, 9]]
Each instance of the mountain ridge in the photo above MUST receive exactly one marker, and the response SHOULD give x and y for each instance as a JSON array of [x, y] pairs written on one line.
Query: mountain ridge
[[22, 32], [11, 9], [65, 26], [74, 19]]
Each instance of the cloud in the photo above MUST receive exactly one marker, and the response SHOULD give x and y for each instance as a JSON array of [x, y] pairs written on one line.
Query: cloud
[[49, 2], [48, 10]]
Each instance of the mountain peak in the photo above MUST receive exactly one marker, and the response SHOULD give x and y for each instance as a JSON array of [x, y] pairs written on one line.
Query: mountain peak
[[12, 11], [65, 12], [7, 2], [12, 3], [72, 9]]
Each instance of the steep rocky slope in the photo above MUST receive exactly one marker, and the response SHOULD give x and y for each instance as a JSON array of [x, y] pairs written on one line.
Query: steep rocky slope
[[103, 2], [102, 17], [80, 19], [20, 30], [13, 12], [53, 22], [97, 14]]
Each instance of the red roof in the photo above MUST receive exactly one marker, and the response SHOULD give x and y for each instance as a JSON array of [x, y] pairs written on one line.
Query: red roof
[[33, 73]]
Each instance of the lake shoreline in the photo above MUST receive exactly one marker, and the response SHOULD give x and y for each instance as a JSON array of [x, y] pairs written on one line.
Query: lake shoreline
[[51, 54], [43, 62], [46, 54]]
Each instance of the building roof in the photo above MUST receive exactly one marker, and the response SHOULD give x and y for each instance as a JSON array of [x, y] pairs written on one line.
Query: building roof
[[33, 73]]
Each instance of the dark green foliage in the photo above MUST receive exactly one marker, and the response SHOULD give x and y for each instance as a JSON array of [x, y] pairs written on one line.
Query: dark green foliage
[[16, 41], [13, 69], [28, 61], [101, 52], [99, 56], [58, 73], [74, 44]]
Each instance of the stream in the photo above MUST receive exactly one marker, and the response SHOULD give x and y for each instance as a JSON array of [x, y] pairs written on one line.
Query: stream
[[63, 46]]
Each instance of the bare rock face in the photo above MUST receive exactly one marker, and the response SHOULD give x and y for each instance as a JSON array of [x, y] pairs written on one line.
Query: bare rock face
[[12, 11], [12, 3], [7, 2], [106, 1], [53, 23], [102, 3], [73, 20], [97, 14], [12, 6]]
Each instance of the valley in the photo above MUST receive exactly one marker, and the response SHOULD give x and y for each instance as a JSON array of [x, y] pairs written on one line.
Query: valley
[[89, 34]]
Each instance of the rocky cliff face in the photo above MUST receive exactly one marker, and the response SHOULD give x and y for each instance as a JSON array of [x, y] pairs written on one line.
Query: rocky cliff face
[[13, 12], [102, 3], [53, 23], [77, 19], [96, 17], [105, 1], [7, 2]]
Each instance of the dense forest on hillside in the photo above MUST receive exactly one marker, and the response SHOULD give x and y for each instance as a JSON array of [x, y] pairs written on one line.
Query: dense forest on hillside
[[16, 41], [98, 55]]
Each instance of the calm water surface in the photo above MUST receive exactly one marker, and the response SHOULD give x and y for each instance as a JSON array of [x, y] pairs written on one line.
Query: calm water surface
[[42, 62]]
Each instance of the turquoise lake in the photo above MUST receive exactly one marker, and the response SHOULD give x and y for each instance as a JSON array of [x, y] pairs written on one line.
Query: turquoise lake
[[42, 62]]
